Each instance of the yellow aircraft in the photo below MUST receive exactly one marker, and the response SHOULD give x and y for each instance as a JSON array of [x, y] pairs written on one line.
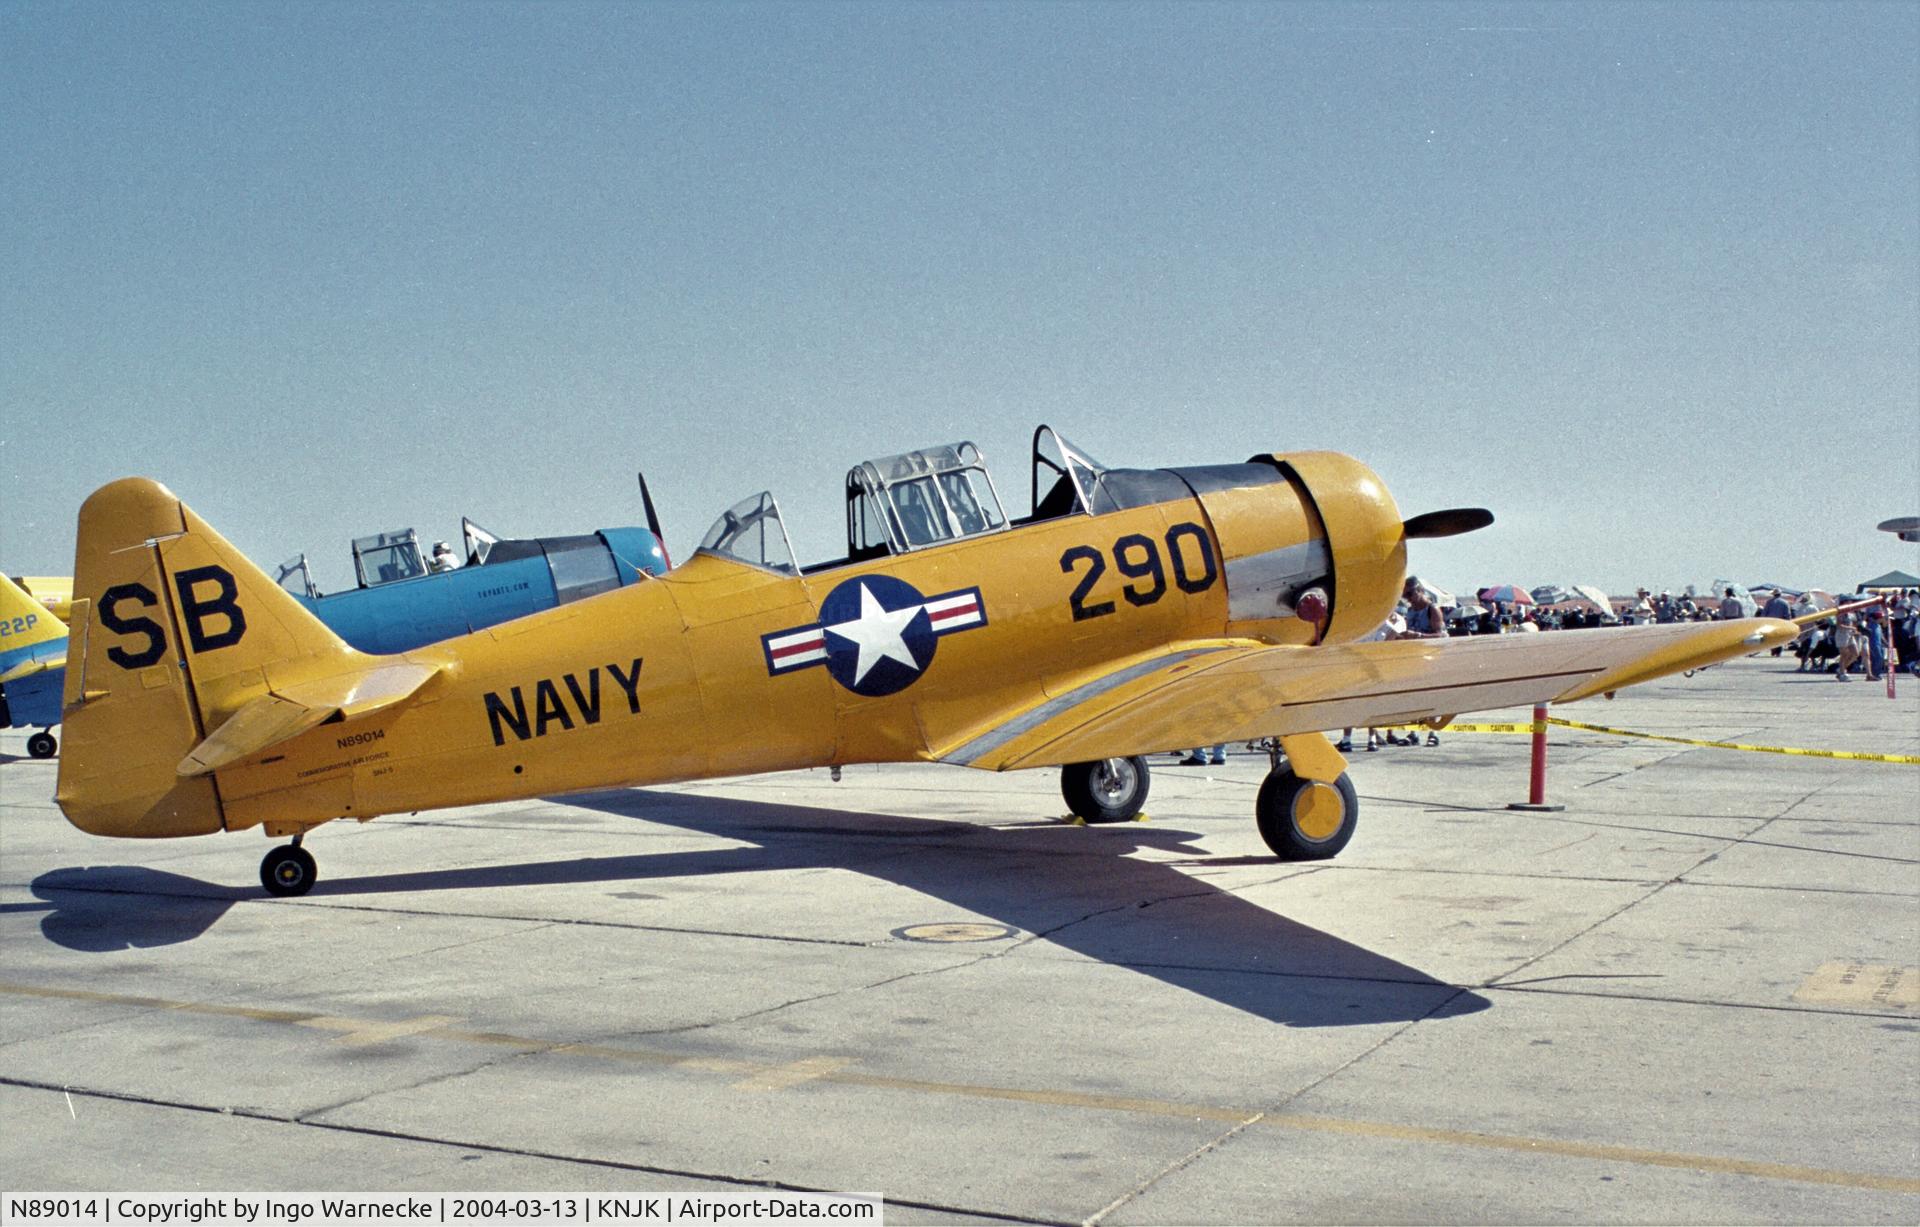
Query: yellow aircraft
[[53, 591], [1133, 610]]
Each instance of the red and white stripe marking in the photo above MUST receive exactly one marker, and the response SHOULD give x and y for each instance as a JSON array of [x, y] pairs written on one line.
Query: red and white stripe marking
[[800, 648], [953, 612]]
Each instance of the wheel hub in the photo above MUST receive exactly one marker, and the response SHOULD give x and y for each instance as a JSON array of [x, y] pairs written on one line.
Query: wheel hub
[[1115, 781], [1317, 811]]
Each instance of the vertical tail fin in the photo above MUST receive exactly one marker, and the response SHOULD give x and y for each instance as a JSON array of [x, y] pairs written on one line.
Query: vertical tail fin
[[24, 623], [173, 631], [53, 591]]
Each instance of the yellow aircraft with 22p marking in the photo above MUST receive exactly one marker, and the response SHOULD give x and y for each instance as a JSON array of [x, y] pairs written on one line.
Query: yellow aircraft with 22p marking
[[1132, 611]]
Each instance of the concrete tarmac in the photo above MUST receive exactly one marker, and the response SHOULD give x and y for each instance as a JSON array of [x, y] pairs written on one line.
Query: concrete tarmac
[[1689, 996]]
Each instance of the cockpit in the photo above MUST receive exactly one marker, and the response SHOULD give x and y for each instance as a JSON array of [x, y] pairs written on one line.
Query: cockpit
[[913, 501], [917, 499], [383, 558]]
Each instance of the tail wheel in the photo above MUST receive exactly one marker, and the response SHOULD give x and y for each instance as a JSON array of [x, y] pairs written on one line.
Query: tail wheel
[[1306, 820], [287, 871], [42, 745], [1109, 790]]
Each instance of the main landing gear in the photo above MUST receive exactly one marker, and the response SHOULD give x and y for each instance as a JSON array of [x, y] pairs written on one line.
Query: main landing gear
[[288, 870], [1305, 820], [42, 745], [1108, 790], [1306, 810]]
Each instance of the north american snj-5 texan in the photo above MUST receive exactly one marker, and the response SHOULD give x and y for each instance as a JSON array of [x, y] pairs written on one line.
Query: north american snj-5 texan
[[1129, 611]]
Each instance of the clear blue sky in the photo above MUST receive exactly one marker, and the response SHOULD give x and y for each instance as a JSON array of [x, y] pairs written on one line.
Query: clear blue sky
[[1644, 279]]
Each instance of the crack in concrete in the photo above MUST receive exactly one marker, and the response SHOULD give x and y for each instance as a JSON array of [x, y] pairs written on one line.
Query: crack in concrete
[[1191, 1157], [1677, 878], [1569, 844], [1278, 1109], [1531, 986], [310, 1115], [918, 973], [529, 927]]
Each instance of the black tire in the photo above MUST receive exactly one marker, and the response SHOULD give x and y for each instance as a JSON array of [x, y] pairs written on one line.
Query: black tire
[[1109, 790], [42, 745], [1304, 820], [287, 871]]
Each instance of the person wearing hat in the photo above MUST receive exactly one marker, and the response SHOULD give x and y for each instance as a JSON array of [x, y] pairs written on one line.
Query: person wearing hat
[[443, 559]]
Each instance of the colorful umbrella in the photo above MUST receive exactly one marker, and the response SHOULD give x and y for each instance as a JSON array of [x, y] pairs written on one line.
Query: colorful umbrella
[[1597, 595], [1507, 594]]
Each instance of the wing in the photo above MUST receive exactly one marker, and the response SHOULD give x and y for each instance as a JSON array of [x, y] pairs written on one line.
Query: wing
[[1210, 691]]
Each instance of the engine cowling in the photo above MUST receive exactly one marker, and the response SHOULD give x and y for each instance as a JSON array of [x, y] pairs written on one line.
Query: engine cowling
[[1327, 524]]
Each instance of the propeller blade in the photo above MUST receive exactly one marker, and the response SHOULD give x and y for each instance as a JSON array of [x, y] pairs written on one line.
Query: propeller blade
[[1907, 528], [1449, 523]]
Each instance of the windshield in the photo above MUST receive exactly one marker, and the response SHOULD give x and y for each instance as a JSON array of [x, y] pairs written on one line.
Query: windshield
[[1065, 478], [296, 577], [751, 531]]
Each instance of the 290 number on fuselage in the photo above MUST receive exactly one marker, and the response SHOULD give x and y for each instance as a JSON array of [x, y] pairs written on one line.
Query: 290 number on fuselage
[[1137, 557]]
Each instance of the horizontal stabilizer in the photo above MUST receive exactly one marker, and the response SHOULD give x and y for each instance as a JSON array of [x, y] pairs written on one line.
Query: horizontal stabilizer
[[31, 667], [286, 712]]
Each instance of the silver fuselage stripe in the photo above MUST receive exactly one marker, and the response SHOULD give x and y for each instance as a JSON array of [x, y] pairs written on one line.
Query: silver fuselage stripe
[[1265, 585], [985, 744]]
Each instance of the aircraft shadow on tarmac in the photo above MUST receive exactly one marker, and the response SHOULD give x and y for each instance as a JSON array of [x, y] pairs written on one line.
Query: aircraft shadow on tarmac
[[1076, 889], [103, 908]]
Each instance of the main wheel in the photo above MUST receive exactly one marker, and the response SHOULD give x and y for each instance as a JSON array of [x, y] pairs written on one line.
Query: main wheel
[[287, 870], [1305, 820], [1110, 790], [42, 745]]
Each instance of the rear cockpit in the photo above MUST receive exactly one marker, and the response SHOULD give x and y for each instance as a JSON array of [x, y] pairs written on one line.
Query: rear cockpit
[[915, 501], [920, 499]]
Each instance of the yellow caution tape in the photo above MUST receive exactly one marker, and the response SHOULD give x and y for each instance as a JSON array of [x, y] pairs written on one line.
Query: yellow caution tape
[[1851, 755], [1465, 728]]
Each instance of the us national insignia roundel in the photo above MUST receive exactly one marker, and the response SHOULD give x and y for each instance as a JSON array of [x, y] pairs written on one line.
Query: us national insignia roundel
[[876, 634]]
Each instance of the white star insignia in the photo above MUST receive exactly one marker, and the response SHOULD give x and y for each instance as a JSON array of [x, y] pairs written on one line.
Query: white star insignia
[[877, 633]]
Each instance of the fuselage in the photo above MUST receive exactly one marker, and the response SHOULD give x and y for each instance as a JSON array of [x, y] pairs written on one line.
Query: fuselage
[[722, 668]]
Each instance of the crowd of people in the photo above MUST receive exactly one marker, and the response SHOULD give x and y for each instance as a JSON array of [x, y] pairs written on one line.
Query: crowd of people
[[1875, 639], [1870, 641]]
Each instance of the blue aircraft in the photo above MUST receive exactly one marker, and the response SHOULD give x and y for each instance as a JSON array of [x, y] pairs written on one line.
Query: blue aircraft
[[402, 600], [33, 663]]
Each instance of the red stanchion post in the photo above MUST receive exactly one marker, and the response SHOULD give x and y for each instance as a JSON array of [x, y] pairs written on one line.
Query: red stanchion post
[[1886, 637], [1537, 777]]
